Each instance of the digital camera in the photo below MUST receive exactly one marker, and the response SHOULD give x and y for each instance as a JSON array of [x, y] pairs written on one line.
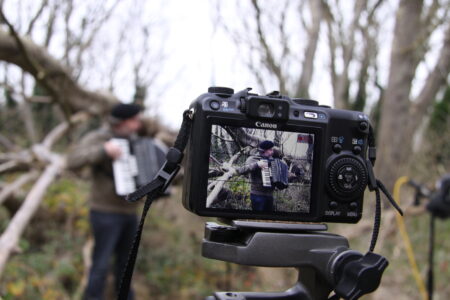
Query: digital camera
[[275, 158]]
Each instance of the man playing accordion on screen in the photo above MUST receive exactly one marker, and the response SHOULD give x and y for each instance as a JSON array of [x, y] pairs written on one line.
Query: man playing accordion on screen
[[267, 172]]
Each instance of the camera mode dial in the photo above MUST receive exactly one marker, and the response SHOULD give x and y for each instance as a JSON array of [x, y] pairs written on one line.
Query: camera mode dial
[[221, 90], [308, 102], [347, 178]]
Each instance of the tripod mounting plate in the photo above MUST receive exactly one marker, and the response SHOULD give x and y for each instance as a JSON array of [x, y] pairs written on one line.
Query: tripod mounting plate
[[269, 245], [280, 227]]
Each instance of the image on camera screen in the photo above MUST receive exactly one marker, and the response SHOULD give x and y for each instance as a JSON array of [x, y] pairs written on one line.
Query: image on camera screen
[[259, 170]]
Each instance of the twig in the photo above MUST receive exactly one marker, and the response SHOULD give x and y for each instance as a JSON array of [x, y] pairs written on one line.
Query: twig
[[36, 16]]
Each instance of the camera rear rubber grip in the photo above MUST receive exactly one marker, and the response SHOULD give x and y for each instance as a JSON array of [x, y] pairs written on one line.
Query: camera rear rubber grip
[[347, 178]]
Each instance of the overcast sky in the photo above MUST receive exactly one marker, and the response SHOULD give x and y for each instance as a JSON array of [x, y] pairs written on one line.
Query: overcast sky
[[200, 55], [197, 54]]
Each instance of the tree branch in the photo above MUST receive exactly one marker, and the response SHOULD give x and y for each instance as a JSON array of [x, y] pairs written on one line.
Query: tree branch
[[269, 57], [9, 189], [57, 76], [224, 178], [9, 165], [310, 51], [62, 128], [6, 143], [11, 236], [36, 17]]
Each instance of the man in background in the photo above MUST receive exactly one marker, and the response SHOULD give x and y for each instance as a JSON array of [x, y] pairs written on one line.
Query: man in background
[[113, 220]]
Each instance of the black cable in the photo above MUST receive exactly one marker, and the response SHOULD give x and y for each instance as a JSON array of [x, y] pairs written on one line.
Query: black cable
[[430, 279]]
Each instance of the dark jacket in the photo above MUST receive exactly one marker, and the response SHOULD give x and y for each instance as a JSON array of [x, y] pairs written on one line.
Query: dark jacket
[[90, 152]]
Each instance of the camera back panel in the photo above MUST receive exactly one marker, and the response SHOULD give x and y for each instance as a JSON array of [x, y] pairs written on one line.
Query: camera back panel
[[303, 161]]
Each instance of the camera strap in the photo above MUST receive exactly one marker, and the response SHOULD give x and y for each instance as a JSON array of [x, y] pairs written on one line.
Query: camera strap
[[376, 185], [430, 275], [151, 190]]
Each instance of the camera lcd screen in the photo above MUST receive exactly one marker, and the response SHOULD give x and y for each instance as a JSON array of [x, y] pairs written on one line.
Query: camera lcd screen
[[260, 170]]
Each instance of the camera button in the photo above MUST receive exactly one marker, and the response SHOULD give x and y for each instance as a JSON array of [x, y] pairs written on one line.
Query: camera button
[[357, 150], [333, 204], [214, 104], [363, 126], [353, 205], [310, 115], [337, 148]]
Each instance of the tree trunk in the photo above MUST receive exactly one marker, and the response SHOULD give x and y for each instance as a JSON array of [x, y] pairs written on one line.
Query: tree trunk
[[310, 51], [401, 117], [396, 145]]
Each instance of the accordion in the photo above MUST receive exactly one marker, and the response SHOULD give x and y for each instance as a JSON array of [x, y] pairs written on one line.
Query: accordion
[[275, 174], [140, 161]]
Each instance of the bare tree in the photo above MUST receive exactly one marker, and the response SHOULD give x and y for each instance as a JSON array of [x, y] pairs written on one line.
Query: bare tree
[[266, 36], [36, 73], [401, 115], [354, 41]]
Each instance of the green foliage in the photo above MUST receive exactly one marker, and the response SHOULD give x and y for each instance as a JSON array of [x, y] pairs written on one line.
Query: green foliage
[[50, 264], [434, 156], [169, 266], [441, 113]]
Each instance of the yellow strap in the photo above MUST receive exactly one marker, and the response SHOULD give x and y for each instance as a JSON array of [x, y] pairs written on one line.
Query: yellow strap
[[406, 241]]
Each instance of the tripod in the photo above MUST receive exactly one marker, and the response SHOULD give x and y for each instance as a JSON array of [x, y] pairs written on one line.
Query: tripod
[[324, 260]]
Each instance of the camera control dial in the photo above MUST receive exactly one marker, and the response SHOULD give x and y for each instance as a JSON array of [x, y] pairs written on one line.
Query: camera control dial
[[221, 90], [308, 102], [347, 178]]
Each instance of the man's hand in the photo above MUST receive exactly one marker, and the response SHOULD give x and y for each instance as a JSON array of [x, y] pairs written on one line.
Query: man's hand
[[232, 171], [227, 167], [262, 163], [112, 150]]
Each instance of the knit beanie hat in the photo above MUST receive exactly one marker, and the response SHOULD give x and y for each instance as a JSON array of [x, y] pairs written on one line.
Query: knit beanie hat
[[264, 145], [125, 111]]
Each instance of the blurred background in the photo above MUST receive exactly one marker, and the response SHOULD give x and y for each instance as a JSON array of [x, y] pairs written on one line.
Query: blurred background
[[64, 63]]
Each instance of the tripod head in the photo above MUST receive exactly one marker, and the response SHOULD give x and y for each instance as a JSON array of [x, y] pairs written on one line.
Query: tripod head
[[324, 260]]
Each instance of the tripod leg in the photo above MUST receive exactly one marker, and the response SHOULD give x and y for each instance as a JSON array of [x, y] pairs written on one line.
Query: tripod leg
[[315, 284]]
